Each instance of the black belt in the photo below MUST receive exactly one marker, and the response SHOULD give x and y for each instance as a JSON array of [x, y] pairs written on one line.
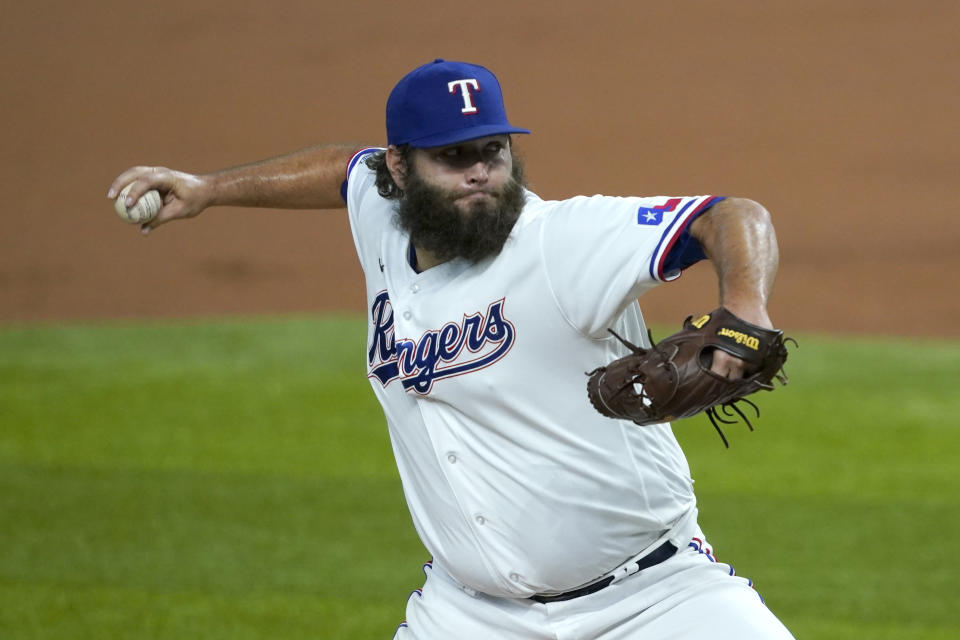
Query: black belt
[[655, 557]]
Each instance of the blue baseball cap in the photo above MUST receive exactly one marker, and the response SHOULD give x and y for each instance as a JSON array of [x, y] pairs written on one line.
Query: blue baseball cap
[[446, 102]]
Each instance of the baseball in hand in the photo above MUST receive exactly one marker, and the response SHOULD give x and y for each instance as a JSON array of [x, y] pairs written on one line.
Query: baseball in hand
[[143, 210]]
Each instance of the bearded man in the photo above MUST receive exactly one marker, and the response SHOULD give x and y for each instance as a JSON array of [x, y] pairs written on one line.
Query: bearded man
[[470, 221], [487, 304]]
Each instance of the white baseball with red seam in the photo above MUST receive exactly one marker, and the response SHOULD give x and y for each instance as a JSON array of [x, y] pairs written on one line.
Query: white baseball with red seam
[[143, 210]]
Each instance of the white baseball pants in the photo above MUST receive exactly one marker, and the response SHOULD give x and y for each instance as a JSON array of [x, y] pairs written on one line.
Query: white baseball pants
[[688, 597]]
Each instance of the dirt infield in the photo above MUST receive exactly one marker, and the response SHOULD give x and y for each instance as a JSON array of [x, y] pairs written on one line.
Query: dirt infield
[[840, 117]]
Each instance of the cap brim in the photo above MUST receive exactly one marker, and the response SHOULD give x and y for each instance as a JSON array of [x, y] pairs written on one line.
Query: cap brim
[[462, 135]]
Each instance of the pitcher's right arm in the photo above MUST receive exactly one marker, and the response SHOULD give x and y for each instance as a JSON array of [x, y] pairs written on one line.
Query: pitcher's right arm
[[305, 179]]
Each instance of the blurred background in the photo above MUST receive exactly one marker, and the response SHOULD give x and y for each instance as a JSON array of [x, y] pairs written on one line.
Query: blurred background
[[187, 444], [840, 117]]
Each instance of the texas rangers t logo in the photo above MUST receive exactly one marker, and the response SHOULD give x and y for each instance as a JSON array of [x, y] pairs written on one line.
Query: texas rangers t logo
[[438, 353], [465, 85]]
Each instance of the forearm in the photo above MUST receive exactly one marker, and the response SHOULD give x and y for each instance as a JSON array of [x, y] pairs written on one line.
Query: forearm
[[739, 239], [305, 179]]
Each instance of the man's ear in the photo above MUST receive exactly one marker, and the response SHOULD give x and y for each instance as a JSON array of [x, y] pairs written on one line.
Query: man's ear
[[397, 166]]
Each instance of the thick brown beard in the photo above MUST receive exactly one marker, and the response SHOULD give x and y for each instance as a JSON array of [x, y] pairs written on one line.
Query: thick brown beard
[[435, 223]]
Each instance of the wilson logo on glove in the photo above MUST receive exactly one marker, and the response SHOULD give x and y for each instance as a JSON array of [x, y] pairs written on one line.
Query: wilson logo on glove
[[750, 342], [702, 320]]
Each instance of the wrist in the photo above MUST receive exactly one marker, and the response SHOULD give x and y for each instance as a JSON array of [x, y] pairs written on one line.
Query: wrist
[[208, 190], [754, 312]]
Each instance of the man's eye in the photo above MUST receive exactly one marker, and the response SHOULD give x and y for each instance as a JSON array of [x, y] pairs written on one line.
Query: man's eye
[[453, 152]]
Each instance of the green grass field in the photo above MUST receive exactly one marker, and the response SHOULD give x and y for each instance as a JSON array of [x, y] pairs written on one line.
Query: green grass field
[[234, 479]]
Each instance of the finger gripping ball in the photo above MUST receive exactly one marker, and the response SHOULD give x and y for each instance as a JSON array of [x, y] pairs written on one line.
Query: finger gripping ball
[[143, 210]]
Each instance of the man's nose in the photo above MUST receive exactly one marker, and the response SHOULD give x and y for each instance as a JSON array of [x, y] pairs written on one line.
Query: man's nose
[[478, 172]]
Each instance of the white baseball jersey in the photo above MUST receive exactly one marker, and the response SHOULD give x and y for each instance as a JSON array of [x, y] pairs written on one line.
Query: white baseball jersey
[[516, 485]]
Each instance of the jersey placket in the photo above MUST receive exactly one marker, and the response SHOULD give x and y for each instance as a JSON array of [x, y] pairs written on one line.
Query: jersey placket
[[448, 451]]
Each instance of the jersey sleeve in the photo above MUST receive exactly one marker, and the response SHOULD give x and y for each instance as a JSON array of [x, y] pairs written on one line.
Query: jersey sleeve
[[358, 185], [602, 252], [356, 159]]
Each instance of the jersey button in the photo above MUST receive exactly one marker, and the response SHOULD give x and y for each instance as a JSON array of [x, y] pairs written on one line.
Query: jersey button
[[415, 288], [480, 520], [451, 458], [407, 315], [515, 577]]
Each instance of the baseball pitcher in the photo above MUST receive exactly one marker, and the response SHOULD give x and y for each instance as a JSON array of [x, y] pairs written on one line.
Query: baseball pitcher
[[527, 407]]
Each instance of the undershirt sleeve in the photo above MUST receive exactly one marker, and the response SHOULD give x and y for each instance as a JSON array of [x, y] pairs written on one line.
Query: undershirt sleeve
[[686, 250]]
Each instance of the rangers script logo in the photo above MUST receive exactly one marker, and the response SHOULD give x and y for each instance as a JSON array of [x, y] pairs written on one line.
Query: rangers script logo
[[487, 337]]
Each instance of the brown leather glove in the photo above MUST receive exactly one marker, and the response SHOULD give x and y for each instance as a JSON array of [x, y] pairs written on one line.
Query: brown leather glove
[[673, 380]]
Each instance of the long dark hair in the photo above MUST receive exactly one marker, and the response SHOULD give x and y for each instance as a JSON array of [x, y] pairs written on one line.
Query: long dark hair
[[377, 162]]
